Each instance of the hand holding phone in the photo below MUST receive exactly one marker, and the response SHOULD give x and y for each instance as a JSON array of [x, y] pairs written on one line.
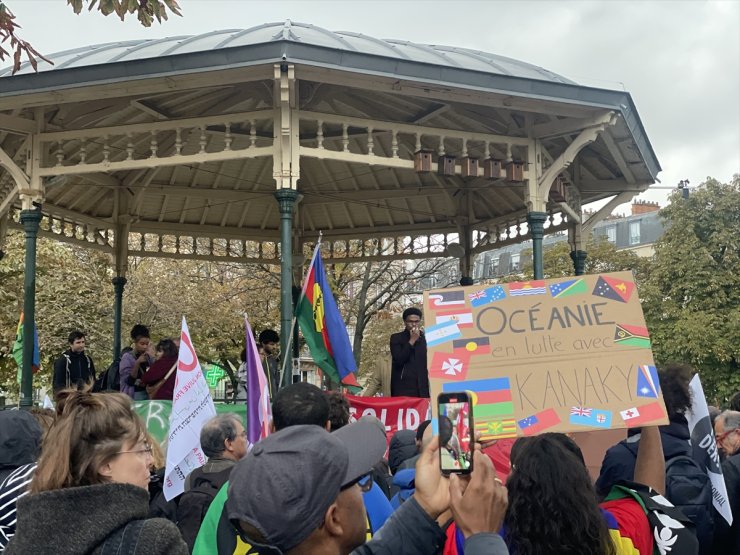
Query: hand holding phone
[[456, 430]]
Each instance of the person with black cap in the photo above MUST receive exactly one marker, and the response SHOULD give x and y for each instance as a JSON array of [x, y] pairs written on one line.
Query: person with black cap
[[299, 491], [409, 374]]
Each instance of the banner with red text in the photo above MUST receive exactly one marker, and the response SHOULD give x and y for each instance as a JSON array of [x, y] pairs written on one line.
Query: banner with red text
[[396, 413]]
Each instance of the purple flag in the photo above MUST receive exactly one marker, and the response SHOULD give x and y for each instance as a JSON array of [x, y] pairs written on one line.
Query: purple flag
[[259, 411]]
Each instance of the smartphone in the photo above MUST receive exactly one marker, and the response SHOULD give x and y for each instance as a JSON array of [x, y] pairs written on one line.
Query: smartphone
[[455, 411]]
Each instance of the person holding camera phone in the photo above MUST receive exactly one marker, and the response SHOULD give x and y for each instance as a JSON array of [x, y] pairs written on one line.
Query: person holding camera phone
[[409, 374]]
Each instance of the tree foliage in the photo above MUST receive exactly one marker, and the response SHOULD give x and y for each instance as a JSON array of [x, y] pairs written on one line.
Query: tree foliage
[[691, 296], [146, 12]]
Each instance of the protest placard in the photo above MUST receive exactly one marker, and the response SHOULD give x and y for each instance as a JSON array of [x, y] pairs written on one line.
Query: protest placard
[[192, 406], [557, 355]]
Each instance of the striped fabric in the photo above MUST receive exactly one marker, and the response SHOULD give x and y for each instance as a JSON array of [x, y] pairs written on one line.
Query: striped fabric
[[13, 488]]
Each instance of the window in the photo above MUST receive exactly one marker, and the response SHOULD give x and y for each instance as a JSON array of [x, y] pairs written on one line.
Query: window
[[493, 271], [611, 234], [515, 262], [635, 233]]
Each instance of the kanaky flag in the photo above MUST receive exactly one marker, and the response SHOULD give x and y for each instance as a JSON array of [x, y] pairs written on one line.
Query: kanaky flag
[[323, 327], [18, 349], [614, 289]]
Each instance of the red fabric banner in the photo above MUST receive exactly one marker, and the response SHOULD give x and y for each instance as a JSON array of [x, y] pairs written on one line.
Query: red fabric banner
[[396, 413]]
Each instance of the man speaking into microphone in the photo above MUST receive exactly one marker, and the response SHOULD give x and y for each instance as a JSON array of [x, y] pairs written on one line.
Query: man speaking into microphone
[[409, 374]]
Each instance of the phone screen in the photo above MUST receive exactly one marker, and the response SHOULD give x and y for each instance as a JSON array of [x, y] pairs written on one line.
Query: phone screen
[[455, 448]]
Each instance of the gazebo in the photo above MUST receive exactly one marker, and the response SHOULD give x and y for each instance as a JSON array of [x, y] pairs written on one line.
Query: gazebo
[[242, 145]]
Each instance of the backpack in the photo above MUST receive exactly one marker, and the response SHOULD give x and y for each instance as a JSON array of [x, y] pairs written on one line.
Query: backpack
[[194, 503], [688, 487], [110, 378], [124, 540]]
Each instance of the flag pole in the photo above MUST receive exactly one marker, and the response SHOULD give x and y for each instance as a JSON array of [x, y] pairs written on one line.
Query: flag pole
[[298, 302]]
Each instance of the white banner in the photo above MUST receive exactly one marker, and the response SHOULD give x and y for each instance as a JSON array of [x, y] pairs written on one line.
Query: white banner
[[705, 447], [192, 406]]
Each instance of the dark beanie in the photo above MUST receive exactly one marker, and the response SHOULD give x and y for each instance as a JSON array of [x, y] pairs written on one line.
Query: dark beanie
[[413, 311]]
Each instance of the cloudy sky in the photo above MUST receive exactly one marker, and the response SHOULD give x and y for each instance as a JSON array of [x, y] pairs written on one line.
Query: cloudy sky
[[680, 60]]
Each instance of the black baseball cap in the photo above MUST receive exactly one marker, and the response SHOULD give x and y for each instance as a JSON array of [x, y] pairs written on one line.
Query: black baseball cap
[[286, 483]]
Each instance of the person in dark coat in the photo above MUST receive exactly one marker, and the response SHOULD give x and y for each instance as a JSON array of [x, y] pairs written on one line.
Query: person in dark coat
[[74, 368], [20, 440], [409, 374], [91, 485], [727, 431]]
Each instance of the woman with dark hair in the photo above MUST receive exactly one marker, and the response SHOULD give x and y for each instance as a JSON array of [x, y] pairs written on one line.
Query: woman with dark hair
[[552, 502], [160, 378], [135, 362], [89, 492]]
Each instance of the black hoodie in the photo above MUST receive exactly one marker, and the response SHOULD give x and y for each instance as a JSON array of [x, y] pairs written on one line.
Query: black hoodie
[[73, 370]]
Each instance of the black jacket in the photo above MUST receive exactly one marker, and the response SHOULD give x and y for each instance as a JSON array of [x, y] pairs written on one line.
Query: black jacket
[[727, 538], [73, 370], [409, 374], [20, 437], [73, 521]]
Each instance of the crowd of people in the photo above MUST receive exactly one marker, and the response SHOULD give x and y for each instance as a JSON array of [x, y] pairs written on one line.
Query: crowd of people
[[87, 477]]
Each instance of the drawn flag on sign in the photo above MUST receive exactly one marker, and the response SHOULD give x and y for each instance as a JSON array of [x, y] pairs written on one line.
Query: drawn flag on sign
[[539, 422], [568, 288], [581, 416], [474, 346], [490, 429], [614, 289], [522, 288], [634, 336], [487, 296], [647, 381], [442, 333], [463, 317], [441, 299], [637, 416], [491, 397], [447, 366]]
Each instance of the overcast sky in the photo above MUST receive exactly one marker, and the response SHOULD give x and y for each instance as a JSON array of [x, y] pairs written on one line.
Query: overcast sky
[[679, 60]]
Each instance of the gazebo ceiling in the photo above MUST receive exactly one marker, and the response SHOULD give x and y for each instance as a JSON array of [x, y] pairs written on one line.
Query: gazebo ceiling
[[178, 135]]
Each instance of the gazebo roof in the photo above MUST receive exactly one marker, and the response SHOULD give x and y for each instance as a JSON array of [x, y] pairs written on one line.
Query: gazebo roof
[[177, 136], [291, 32]]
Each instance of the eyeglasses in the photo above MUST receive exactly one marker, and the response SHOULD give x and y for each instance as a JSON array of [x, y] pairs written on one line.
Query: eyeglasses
[[145, 451], [365, 482], [721, 437]]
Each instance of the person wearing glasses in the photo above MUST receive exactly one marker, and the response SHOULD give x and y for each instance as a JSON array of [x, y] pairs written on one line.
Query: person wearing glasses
[[727, 432], [224, 441], [89, 492]]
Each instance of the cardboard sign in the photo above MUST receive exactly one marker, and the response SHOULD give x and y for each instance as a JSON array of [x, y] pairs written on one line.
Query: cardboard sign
[[558, 355]]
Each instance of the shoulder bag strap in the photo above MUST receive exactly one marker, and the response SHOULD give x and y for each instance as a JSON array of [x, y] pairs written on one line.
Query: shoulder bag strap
[[152, 390]]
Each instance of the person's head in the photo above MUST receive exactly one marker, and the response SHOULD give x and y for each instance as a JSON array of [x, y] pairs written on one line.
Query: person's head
[[420, 434], [727, 431], [76, 341], [20, 439], [735, 402], [412, 318], [674, 384], [270, 341], [140, 337], [224, 436], [159, 457], [167, 348], [338, 410], [96, 438], [714, 412], [243, 356], [552, 501], [300, 403], [401, 448], [300, 489]]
